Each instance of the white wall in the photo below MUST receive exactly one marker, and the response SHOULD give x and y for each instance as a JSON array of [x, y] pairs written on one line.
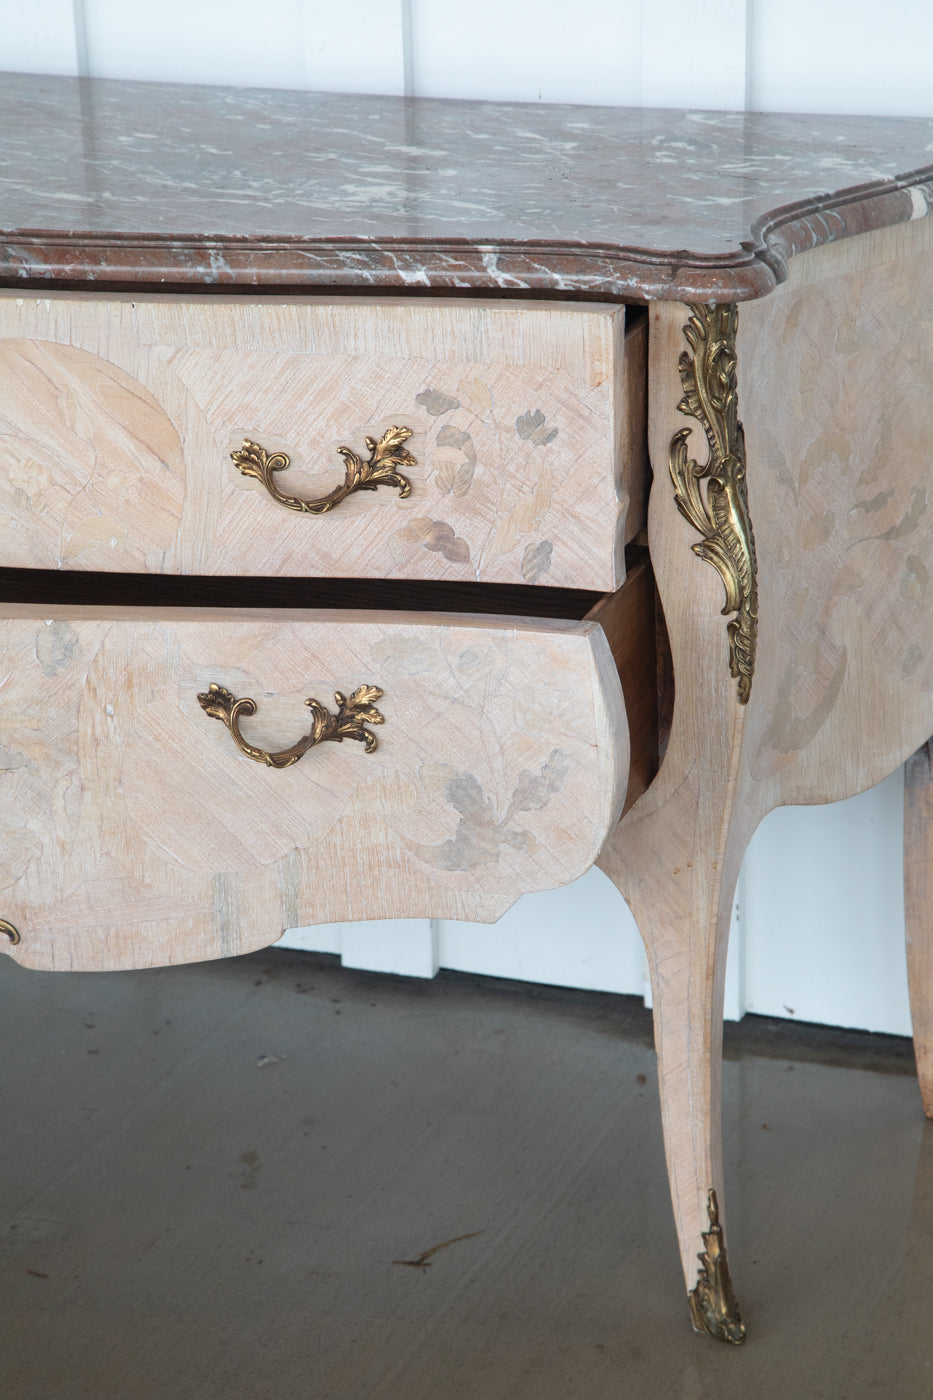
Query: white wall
[[818, 933], [768, 55]]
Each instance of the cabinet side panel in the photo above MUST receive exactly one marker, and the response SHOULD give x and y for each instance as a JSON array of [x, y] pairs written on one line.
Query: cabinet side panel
[[836, 393]]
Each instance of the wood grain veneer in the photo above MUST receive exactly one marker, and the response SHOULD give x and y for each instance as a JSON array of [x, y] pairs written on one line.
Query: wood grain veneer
[[835, 388], [918, 910], [134, 833], [120, 415], [629, 618]]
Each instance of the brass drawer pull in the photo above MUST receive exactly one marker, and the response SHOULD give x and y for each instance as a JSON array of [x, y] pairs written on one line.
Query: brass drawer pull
[[348, 723], [384, 456], [12, 933]]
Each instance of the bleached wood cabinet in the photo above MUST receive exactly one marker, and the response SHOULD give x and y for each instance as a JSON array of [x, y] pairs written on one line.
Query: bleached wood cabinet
[[295, 450]]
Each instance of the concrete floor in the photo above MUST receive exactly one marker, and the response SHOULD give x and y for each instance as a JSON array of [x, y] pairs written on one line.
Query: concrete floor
[[208, 1175]]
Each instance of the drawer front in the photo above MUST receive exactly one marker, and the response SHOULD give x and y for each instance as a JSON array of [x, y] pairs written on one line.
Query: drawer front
[[520, 452], [134, 831]]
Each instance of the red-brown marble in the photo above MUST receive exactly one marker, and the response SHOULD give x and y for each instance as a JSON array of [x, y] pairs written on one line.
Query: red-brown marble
[[145, 184]]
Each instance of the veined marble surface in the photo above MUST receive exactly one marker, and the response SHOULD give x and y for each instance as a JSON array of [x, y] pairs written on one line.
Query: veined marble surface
[[147, 183]]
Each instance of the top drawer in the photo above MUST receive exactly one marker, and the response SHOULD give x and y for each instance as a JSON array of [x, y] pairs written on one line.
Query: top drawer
[[118, 417]]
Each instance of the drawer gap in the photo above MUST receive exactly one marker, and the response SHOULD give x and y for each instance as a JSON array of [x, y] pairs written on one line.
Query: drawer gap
[[631, 619], [56, 587]]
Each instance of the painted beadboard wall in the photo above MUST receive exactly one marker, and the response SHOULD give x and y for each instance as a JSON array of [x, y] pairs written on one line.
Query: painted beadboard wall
[[818, 932]]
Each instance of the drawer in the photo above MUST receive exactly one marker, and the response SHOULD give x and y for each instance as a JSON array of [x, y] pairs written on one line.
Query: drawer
[[135, 832], [119, 417]]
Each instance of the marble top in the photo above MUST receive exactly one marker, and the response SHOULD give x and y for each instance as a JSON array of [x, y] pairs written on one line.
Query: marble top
[[124, 183]]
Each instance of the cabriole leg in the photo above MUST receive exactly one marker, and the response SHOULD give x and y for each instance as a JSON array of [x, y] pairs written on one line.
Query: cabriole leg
[[675, 856], [684, 912]]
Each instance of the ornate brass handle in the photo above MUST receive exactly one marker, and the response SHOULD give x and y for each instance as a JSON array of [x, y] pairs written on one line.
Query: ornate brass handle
[[12, 933], [384, 456], [348, 723]]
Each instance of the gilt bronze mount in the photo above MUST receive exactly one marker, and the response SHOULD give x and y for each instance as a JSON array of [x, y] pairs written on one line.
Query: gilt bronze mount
[[713, 1305], [385, 456], [353, 714], [709, 381]]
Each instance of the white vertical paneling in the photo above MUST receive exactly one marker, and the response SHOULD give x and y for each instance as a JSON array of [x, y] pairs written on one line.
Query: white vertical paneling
[[552, 51], [38, 38], [407, 947], [315, 938], [780, 55], [579, 936], [694, 54], [817, 930], [356, 47], [280, 44], [825, 913], [212, 41], [860, 57]]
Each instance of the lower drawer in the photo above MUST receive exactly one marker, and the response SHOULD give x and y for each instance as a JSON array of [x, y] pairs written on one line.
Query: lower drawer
[[135, 832]]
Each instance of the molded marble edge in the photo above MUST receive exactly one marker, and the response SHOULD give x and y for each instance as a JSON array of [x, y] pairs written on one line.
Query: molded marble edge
[[118, 184], [597, 271]]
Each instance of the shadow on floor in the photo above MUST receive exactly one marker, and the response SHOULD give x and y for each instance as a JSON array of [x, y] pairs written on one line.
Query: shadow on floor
[[210, 1174]]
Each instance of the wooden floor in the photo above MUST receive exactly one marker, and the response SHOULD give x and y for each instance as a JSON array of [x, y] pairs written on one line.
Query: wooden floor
[[209, 1175]]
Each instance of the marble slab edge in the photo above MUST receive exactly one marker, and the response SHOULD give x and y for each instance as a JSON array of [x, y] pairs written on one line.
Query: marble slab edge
[[593, 270]]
